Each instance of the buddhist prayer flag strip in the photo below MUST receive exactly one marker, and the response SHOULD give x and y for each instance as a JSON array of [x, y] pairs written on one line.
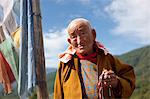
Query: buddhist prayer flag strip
[[21, 44], [27, 75], [32, 60], [10, 59]]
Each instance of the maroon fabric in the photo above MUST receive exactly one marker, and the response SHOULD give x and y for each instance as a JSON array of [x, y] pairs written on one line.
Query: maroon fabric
[[8, 69]]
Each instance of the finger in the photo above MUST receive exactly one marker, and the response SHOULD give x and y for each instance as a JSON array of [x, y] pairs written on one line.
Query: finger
[[105, 76], [102, 74], [109, 76], [104, 71], [110, 71]]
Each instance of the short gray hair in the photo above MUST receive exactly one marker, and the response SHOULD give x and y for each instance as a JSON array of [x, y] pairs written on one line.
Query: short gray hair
[[83, 20]]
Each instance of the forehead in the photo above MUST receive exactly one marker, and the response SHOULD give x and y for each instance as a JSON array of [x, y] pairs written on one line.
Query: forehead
[[79, 26]]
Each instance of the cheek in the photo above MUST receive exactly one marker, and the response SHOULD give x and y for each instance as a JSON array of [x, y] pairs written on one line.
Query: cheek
[[74, 42], [89, 40]]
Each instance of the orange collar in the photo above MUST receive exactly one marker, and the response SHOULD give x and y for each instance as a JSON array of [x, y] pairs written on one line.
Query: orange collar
[[70, 51]]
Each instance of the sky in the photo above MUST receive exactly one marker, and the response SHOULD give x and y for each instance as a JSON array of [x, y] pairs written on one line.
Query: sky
[[121, 25]]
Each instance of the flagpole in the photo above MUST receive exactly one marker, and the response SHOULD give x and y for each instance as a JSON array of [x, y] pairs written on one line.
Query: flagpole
[[23, 61], [42, 91]]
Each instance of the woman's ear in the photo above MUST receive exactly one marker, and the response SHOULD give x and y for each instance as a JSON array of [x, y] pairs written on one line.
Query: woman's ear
[[94, 33], [69, 40]]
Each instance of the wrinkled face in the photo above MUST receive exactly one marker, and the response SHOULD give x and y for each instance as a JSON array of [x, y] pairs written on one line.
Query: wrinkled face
[[82, 38]]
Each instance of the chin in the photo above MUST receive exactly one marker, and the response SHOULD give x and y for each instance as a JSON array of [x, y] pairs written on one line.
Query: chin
[[82, 52]]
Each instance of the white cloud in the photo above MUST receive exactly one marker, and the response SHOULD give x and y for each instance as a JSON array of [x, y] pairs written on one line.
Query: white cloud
[[98, 12], [54, 44], [96, 7], [132, 18]]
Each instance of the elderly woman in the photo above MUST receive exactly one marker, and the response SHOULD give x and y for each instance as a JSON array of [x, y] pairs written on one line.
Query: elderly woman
[[87, 70]]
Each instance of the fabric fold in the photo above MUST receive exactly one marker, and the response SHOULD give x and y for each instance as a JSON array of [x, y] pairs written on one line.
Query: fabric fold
[[70, 51], [6, 75], [10, 54]]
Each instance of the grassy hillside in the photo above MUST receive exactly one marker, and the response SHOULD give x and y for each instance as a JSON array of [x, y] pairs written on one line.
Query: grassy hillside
[[50, 84], [50, 81], [14, 95], [140, 60]]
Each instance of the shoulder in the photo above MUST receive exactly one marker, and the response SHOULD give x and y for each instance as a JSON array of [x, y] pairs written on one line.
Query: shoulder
[[107, 55], [69, 63]]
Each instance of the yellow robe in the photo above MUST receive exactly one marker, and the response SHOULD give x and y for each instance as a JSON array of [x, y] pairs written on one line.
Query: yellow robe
[[68, 86], [16, 37]]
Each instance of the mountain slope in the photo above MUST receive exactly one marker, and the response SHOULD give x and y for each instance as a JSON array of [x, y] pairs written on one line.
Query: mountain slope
[[140, 60]]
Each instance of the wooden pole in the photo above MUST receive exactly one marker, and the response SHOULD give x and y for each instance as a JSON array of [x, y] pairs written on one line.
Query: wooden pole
[[2, 36], [42, 91]]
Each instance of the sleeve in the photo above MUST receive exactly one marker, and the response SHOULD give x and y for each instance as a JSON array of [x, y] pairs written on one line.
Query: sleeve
[[126, 77], [58, 90]]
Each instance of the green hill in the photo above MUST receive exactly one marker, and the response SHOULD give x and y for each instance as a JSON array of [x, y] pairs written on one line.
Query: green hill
[[50, 81], [140, 60]]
